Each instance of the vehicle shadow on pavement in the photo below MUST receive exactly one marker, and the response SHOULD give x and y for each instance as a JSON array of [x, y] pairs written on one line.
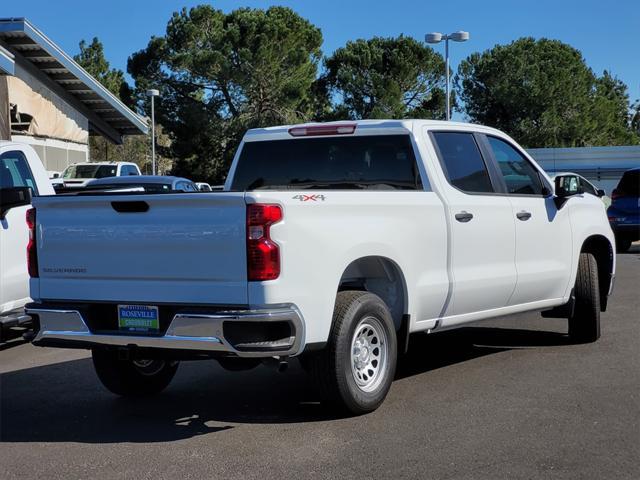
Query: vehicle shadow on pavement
[[11, 342], [429, 352], [64, 402]]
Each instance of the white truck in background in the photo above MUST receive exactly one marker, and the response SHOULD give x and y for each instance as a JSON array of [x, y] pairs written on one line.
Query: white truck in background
[[79, 174], [331, 242], [22, 175]]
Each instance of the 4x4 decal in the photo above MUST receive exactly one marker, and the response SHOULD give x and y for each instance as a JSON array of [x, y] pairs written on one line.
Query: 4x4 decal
[[309, 198]]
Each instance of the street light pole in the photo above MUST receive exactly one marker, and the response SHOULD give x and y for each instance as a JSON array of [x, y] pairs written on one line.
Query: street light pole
[[446, 63], [153, 94], [436, 37]]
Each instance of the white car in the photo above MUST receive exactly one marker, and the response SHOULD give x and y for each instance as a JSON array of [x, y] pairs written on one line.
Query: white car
[[331, 242], [203, 187], [78, 174], [22, 176]]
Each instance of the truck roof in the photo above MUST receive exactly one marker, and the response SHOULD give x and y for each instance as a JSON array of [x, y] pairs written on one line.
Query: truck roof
[[367, 127]]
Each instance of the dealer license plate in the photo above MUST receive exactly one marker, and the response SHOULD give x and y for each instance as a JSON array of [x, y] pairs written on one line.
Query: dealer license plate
[[138, 318]]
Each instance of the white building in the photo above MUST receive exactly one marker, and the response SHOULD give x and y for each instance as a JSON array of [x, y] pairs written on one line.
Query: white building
[[48, 101], [603, 166]]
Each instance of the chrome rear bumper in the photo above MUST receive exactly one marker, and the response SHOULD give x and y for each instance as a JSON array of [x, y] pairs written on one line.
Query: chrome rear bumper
[[187, 331]]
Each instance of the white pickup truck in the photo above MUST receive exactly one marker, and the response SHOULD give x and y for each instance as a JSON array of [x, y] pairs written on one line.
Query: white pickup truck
[[331, 242], [22, 175]]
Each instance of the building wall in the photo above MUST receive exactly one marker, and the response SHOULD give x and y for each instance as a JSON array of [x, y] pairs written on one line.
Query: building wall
[[56, 155], [603, 166], [52, 117], [57, 131]]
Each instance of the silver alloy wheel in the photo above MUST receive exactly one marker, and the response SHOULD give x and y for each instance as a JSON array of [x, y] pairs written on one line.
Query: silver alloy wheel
[[149, 367], [369, 352]]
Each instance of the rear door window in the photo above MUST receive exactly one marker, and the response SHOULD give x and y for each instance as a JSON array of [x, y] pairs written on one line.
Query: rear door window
[[15, 171], [462, 162], [385, 162]]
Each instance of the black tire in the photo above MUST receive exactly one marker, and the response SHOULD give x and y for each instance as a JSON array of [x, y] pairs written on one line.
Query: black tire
[[584, 324], [623, 244], [366, 313], [132, 379]]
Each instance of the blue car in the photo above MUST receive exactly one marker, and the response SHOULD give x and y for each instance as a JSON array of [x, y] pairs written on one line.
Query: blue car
[[624, 212]]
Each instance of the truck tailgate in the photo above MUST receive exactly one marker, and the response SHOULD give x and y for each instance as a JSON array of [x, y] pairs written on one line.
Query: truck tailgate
[[166, 248]]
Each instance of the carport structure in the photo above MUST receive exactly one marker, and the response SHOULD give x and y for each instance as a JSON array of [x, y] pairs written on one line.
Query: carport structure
[[40, 79]]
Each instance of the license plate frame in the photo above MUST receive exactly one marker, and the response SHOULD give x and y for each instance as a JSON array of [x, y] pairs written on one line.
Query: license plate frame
[[139, 318]]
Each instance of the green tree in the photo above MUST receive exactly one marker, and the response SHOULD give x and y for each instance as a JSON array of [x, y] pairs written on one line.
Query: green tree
[[635, 118], [135, 148], [387, 78], [543, 94], [92, 59], [220, 74]]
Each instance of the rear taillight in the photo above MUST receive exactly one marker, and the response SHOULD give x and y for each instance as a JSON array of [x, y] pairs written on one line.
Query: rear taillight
[[263, 254], [32, 252]]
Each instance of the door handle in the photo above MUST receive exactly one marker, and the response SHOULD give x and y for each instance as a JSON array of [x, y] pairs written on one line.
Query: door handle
[[524, 216], [464, 217], [130, 207]]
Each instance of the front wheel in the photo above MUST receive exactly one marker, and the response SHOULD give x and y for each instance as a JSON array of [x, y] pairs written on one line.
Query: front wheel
[[132, 378], [355, 370], [584, 324]]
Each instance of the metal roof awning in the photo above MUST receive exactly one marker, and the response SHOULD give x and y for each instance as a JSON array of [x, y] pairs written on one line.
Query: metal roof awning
[[22, 43], [7, 62]]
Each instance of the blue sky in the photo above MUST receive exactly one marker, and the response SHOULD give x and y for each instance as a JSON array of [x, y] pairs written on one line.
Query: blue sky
[[607, 33]]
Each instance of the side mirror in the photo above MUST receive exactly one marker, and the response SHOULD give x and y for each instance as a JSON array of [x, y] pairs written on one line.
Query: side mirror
[[566, 186], [601, 193], [13, 197]]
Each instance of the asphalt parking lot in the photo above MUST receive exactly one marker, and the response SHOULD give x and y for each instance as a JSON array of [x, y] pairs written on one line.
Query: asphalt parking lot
[[506, 399]]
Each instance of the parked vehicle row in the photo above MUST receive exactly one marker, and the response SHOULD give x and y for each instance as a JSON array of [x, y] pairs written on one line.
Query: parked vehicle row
[[330, 242]]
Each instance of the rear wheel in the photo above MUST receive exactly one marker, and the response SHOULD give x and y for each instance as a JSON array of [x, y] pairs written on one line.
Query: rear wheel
[[355, 370], [132, 378], [584, 324]]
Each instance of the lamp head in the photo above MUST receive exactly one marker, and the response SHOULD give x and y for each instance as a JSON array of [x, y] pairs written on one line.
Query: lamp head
[[459, 36], [434, 37]]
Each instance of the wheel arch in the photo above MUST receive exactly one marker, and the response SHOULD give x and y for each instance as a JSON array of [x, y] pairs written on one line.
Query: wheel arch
[[603, 251], [381, 276]]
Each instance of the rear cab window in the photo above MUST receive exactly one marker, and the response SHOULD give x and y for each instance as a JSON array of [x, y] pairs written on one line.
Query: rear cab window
[[380, 162], [90, 171], [462, 161]]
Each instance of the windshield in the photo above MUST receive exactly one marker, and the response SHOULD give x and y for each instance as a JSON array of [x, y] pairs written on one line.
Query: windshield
[[384, 162], [90, 171]]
